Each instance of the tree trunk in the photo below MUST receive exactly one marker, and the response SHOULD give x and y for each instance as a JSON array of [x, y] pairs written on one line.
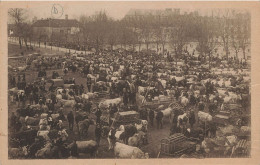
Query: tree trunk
[[227, 52], [39, 44], [157, 47], [209, 60], [25, 42], [244, 53], [176, 56], [139, 47], [147, 46], [237, 54], [20, 43], [163, 48], [111, 47]]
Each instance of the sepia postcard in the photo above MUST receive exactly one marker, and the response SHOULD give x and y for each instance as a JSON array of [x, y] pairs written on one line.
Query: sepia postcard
[[129, 82]]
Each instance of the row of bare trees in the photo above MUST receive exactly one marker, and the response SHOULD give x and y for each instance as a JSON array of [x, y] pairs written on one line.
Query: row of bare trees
[[228, 28]]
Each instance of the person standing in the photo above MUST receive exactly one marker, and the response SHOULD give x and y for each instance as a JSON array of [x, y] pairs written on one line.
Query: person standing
[[192, 119], [125, 97], [144, 114], [70, 118], [98, 133], [89, 84], [77, 120], [159, 117], [74, 149], [98, 115], [151, 116]]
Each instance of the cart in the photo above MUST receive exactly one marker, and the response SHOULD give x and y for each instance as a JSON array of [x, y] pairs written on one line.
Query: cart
[[177, 145], [124, 118]]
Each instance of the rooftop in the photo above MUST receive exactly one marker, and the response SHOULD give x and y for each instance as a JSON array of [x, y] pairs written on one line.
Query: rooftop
[[56, 23]]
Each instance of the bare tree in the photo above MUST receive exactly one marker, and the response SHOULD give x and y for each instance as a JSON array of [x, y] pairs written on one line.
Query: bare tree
[[18, 17], [147, 34], [207, 37], [236, 34], [179, 35], [97, 27], [225, 34], [26, 33], [86, 33], [244, 39], [112, 36]]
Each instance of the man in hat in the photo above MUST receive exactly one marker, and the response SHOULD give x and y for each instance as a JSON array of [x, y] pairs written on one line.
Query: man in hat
[[74, 149], [159, 118], [151, 116], [98, 133], [70, 118], [98, 115], [192, 119]]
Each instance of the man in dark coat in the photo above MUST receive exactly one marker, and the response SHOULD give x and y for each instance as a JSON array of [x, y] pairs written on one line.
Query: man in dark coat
[[98, 115], [89, 84], [151, 116], [70, 118], [192, 119], [98, 133], [74, 149], [159, 117], [201, 106]]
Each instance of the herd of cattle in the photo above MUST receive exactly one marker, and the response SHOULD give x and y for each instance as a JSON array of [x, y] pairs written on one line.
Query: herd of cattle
[[38, 130]]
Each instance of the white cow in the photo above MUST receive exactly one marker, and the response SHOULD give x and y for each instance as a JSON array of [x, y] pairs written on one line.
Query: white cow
[[68, 103], [117, 135], [184, 101], [203, 116], [128, 152], [106, 103]]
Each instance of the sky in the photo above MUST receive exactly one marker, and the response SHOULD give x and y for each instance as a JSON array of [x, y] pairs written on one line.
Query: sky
[[117, 10]]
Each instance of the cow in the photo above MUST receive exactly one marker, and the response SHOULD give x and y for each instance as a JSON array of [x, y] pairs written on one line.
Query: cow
[[86, 147], [20, 152], [137, 139], [89, 95], [203, 116], [108, 102], [118, 137], [167, 113], [128, 152], [67, 103], [84, 125], [184, 101], [31, 121], [129, 130], [44, 134]]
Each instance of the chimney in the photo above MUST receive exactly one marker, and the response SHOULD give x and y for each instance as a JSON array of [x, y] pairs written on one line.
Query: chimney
[[66, 16]]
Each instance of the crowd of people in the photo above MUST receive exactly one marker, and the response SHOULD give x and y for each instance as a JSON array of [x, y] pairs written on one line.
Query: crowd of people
[[196, 83]]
